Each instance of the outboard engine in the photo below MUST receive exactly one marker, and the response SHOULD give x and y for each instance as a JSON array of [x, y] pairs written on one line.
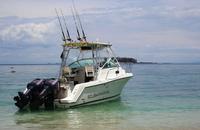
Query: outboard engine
[[48, 93], [37, 93], [24, 98]]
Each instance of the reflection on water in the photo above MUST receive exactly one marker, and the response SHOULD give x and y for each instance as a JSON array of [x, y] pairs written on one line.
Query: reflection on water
[[99, 115]]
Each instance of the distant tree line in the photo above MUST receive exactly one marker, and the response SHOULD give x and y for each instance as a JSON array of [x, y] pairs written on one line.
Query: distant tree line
[[127, 59]]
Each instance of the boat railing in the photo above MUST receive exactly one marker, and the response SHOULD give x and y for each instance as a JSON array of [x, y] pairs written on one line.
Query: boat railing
[[109, 72]]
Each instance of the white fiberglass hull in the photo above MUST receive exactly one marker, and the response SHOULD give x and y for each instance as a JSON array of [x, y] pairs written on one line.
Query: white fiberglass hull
[[103, 91]]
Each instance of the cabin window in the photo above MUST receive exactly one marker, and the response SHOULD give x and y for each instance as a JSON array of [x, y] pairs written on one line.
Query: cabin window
[[111, 63]]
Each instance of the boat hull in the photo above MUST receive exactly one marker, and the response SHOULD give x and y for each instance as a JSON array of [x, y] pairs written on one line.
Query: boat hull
[[102, 92]]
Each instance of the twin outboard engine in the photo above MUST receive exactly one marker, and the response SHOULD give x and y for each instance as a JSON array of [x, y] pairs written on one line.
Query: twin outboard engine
[[38, 92]]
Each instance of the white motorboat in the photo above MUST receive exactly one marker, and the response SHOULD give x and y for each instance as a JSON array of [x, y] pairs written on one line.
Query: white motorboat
[[93, 76], [89, 73]]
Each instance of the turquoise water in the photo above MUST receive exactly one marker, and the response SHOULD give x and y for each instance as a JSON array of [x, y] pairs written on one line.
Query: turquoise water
[[157, 97]]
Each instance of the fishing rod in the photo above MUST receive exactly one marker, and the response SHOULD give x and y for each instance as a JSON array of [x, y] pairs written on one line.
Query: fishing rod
[[65, 23], [78, 17], [79, 38], [64, 38]]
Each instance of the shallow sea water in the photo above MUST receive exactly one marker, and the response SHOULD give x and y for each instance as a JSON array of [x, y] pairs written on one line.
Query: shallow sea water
[[159, 96]]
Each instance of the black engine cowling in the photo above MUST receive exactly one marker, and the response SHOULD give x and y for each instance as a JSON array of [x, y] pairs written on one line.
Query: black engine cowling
[[38, 92]]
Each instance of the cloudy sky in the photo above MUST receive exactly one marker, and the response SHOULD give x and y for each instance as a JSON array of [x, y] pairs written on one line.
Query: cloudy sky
[[148, 30]]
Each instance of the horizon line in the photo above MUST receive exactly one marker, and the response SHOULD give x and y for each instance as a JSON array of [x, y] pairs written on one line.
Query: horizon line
[[120, 62]]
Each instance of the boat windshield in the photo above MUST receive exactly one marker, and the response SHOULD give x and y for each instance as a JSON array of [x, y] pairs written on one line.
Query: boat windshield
[[77, 59], [81, 63], [80, 57], [109, 63]]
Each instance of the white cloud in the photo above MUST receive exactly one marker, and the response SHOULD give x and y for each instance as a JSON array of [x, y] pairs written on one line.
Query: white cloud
[[172, 11], [166, 8], [144, 28], [29, 32], [163, 39], [160, 10], [45, 8], [135, 11]]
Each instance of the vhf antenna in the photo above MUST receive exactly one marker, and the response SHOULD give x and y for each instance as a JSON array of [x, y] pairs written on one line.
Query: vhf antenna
[[63, 34], [79, 20], [78, 37], [65, 23]]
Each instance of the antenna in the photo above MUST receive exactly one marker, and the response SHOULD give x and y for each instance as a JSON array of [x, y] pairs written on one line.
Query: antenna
[[65, 23], [78, 17], [79, 38], [64, 39]]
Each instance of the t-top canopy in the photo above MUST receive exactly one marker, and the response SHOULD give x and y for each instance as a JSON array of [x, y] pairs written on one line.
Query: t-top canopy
[[87, 45]]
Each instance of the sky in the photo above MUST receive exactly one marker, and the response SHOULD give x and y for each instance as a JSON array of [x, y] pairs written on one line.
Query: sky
[[148, 30]]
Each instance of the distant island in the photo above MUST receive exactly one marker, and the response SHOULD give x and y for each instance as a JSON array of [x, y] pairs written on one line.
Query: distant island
[[127, 60], [150, 63], [132, 60]]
